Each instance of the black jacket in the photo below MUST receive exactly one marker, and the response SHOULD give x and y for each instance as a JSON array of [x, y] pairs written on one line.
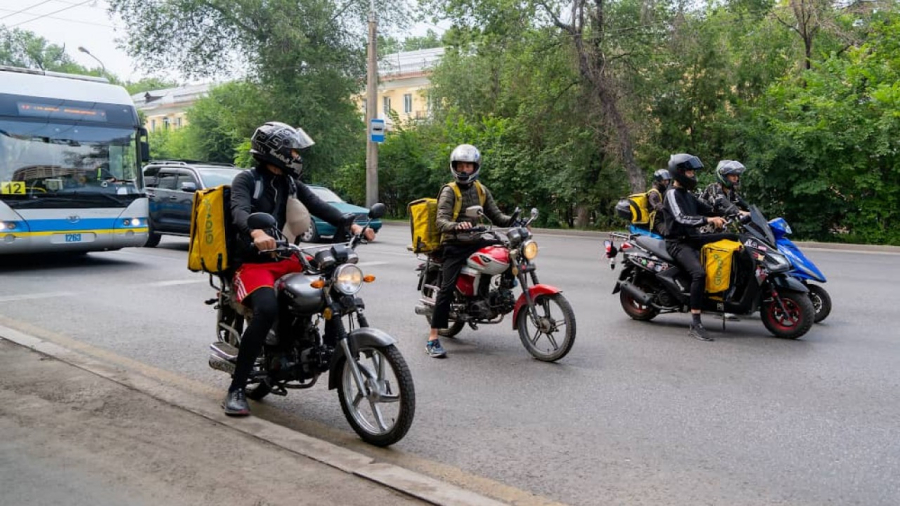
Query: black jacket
[[684, 213], [276, 190]]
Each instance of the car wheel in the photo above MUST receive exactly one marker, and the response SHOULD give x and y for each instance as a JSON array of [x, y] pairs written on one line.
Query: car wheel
[[311, 234], [152, 240]]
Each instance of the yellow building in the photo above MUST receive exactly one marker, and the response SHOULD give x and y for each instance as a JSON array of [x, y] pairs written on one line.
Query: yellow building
[[167, 109], [403, 82]]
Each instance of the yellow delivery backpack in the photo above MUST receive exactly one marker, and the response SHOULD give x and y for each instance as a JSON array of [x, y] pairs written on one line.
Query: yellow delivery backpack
[[718, 259], [635, 209], [211, 230], [423, 219]]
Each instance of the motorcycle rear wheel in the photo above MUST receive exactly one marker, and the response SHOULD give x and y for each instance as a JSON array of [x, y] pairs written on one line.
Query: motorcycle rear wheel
[[382, 416], [635, 309], [821, 302], [553, 313], [792, 323]]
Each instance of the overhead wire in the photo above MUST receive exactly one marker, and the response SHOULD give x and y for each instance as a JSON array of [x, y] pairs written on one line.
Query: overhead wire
[[72, 6], [26, 9], [70, 20]]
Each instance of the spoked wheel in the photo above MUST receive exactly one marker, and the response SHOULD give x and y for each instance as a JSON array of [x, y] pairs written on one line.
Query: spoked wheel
[[794, 320], [821, 302], [635, 309], [551, 333], [383, 413]]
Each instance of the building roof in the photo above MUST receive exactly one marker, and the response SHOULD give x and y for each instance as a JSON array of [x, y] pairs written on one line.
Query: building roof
[[170, 97], [409, 62]]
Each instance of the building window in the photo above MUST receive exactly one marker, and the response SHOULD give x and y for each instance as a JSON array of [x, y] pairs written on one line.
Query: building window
[[407, 103], [165, 123], [386, 102]]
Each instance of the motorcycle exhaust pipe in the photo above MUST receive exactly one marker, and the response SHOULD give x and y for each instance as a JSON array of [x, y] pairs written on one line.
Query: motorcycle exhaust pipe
[[222, 357], [635, 293], [421, 309]]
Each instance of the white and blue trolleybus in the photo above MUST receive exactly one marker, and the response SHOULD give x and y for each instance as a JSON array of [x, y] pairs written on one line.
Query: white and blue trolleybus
[[71, 149]]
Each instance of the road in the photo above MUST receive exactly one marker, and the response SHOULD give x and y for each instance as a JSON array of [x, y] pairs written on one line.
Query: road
[[638, 413]]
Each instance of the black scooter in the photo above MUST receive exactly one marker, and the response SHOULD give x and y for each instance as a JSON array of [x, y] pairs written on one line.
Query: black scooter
[[651, 282]]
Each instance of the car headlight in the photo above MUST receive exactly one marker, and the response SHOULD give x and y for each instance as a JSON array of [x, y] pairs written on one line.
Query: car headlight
[[348, 279], [530, 249], [776, 262]]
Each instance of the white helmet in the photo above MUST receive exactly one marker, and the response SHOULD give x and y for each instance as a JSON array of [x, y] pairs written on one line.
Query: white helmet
[[465, 153]]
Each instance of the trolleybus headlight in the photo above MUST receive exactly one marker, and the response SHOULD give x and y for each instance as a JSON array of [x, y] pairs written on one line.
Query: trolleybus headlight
[[348, 279], [8, 225], [132, 222], [530, 249]]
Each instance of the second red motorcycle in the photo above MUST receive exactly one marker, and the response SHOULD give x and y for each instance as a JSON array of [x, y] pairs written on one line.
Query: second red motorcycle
[[484, 291]]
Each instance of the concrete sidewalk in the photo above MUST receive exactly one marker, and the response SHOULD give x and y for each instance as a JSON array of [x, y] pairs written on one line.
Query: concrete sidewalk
[[77, 431]]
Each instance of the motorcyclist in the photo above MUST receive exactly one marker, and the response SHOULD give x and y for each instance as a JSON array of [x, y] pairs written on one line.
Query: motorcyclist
[[661, 180], [276, 148], [684, 215], [456, 244], [723, 195]]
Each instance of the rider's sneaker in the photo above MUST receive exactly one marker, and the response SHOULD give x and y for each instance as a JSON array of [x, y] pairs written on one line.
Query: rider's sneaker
[[698, 332], [235, 404], [434, 349]]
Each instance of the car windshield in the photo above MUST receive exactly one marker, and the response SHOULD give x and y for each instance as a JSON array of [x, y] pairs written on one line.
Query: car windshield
[[216, 177], [55, 163], [326, 194]]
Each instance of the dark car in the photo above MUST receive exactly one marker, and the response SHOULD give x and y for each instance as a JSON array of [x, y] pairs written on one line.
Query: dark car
[[319, 228], [171, 185]]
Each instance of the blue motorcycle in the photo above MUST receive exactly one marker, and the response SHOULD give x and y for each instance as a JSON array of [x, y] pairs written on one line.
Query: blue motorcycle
[[802, 268]]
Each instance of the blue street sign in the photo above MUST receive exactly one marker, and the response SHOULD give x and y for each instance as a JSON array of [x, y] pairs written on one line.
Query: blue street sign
[[376, 130]]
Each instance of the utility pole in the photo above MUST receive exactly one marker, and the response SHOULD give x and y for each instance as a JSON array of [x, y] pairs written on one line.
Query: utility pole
[[371, 112]]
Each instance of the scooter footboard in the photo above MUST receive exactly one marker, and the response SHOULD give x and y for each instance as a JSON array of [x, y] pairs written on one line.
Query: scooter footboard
[[534, 291]]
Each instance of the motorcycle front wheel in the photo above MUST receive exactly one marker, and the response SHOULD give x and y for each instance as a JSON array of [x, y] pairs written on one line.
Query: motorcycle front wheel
[[794, 320], [821, 302], [383, 413], [548, 336]]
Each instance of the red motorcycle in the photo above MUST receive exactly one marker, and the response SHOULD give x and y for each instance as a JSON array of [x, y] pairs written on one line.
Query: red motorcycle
[[484, 291]]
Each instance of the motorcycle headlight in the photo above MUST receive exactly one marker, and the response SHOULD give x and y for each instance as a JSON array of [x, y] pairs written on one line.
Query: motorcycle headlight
[[348, 279], [776, 262], [530, 249]]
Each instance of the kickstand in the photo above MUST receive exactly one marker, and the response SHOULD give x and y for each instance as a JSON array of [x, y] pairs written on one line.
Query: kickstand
[[724, 317]]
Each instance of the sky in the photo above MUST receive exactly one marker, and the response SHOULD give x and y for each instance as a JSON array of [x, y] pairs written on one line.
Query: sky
[[87, 24], [74, 24]]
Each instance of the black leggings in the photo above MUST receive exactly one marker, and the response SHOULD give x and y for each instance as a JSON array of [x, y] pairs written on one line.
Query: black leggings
[[687, 254], [265, 313]]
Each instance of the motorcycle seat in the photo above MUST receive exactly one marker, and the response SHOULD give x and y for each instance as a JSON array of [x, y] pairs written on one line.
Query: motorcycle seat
[[655, 246]]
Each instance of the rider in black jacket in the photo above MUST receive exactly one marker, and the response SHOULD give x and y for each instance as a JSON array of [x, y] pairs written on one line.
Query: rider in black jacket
[[276, 147], [685, 214]]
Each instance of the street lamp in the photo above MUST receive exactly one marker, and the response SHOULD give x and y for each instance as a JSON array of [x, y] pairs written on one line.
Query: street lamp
[[85, 51]]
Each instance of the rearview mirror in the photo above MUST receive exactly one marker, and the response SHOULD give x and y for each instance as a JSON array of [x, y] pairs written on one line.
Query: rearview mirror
[[261, 221], [188, 186], [534, 213], [474, 211], [377, 211]]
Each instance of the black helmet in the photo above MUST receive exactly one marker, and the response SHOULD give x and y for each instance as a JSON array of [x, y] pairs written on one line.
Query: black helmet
[[273, 143], [681, 162], [465, 153], [727, 168], [661, 175]]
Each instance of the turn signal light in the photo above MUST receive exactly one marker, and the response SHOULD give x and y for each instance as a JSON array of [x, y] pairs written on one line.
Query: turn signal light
[[319, 283], [368, 278]]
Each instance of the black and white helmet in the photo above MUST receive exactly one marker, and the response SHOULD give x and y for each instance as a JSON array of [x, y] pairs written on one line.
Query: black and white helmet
[[661, 175], [273, 143], [727, 168], [465, 153], [679, 164]]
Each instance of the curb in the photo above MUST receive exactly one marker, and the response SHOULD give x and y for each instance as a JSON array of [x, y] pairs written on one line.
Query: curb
[[837, 246], [397, 478]]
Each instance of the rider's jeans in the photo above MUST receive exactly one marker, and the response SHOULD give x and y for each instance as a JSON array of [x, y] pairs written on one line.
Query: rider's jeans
[[455, 256]]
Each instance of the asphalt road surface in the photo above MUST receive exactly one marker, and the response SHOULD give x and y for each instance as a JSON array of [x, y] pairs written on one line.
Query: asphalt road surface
[[637, 413]]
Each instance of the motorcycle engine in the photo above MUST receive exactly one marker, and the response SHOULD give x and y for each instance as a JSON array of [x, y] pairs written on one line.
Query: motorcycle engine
[[501, 301]]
